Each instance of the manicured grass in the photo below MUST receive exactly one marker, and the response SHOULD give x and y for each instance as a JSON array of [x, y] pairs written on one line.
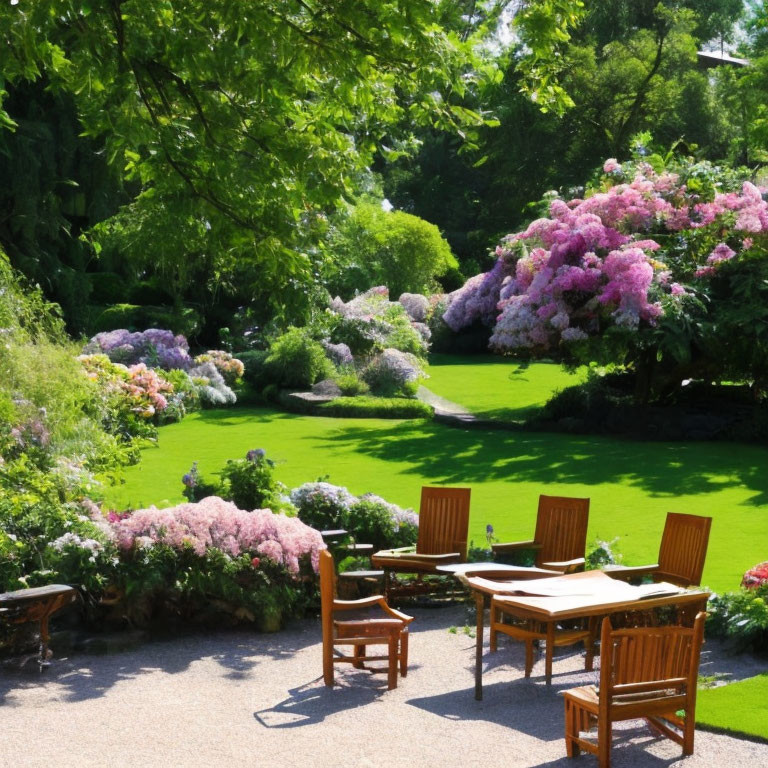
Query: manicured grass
[[632, 485], [740, 707], [497, 387]]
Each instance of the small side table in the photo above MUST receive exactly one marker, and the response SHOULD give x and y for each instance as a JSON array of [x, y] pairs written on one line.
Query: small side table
[[36, 604]]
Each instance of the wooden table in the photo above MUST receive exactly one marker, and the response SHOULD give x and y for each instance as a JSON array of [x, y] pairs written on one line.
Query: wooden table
[[594, 594]]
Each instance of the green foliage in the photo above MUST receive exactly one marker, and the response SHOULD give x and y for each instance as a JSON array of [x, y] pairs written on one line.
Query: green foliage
[[134, 317], [366, 407], [296, 360], [350, 384], [371, 246], [371, 522], [249, 483], [741, 617]]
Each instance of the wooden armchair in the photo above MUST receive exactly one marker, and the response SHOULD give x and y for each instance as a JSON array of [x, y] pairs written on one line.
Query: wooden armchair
[[443, 527], [390, 630], [681, 555], [645, 673], [561, 534]]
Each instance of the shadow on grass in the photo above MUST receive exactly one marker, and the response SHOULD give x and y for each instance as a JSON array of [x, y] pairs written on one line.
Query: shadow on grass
[[451, 455]]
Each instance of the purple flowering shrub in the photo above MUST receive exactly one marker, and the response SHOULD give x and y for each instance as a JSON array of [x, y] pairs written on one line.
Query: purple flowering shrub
[[628, 262], [154, 347], [369, 518]]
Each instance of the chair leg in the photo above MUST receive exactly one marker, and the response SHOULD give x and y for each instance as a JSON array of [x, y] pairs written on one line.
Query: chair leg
[[392, 670], [604, 735], [528, 657], [492, 633], [404, 653], [572, 720], [328, 664], [360, 652], [689, 730]]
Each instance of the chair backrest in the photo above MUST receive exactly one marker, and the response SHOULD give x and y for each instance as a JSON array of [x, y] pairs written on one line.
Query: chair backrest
[[650, 664], [561, 528], [327, 593], [683, 549], [443, 521]]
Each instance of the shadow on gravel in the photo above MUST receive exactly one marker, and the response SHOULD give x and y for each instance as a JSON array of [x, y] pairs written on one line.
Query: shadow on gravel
[[80, 677], [312, 702]]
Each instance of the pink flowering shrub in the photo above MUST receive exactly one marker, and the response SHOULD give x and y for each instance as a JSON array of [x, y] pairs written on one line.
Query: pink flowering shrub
[[133, 397], [756, 577], [212, 561], [219, 524], [630, 261]]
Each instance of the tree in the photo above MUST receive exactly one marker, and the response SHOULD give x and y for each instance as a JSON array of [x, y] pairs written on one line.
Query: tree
[[244, 123], [371, 246]]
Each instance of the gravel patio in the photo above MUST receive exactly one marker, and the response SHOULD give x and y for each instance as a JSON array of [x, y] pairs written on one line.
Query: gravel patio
[[242, 698]]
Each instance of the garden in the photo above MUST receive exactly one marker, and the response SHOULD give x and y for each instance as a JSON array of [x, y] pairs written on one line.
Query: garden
[[251, 295]]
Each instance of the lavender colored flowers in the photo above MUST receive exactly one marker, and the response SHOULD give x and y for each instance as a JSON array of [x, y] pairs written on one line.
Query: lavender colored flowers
[[155, 347]]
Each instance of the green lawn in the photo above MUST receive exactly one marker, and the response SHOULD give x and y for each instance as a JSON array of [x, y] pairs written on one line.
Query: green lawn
[[632, 485], [740, 707], [497, 387]]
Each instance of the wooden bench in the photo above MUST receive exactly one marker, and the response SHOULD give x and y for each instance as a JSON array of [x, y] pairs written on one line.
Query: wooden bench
[[36, 604]]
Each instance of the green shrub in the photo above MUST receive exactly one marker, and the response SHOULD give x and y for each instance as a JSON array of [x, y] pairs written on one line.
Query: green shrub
[[351, 385], [740, 617], [296, 360], [372, 246], [137, 317], [249, 482], [255, 372], [376, 408], [374, 521]]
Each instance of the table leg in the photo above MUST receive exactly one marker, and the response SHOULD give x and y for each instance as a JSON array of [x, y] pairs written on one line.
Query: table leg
[[479, 629], [549, 651]]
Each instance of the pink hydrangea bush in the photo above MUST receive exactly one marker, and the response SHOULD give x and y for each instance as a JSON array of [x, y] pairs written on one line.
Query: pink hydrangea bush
[[217, 524], [630, 253]]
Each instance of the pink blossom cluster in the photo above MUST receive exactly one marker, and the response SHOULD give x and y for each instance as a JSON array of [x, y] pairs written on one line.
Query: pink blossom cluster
[[216, 523], [148, 389], [593, 262], [756, 577]]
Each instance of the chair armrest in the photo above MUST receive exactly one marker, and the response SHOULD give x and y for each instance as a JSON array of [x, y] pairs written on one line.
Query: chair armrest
[[626, 572], [566, 566], [511, 546], [397, 552], [382, 559], [369, 602]]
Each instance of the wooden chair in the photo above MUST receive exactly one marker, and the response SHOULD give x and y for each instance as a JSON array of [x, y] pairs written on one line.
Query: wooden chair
[[443, 527], [681, 555], [561, 534], [391, 630], [645, 673]]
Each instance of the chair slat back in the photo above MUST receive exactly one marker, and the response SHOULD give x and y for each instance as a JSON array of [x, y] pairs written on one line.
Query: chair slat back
[[443, 521], [561, 528], [649, 662], [327, 593], [683, 549]]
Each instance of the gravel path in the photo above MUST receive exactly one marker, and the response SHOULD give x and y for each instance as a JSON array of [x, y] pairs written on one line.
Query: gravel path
[[241, 698]]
